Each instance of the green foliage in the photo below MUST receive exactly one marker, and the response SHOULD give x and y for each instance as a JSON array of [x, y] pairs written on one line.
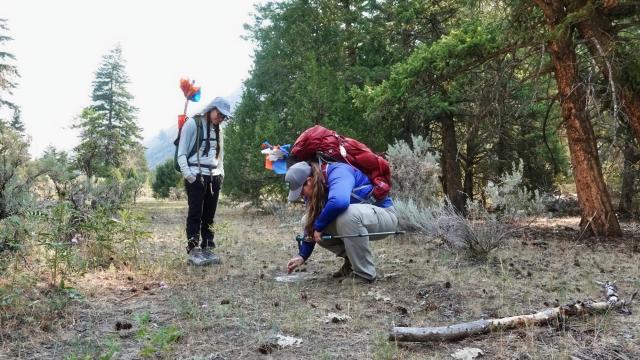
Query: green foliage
[[309, 55], [166, 177], [58, 244], [418, 89], [8, 71], [90, 349], [110, 240], [16, 121], [383, 348], [130, 232], [13, 232], [161, 340], [58, 171], [109, 131], [90, 155], [15, 175]]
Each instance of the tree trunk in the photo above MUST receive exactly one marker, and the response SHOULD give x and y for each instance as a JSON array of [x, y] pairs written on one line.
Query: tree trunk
[[601, 39], [451, 167], [598, 217], [468, 181], [469, 163]]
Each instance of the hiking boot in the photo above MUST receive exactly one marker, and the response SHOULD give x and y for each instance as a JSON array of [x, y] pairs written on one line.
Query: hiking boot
[[211, 258], [344, 270], [356, 280], [195, 257]]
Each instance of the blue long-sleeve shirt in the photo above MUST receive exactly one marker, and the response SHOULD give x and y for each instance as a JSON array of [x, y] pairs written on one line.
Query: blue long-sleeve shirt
[[346, 185]]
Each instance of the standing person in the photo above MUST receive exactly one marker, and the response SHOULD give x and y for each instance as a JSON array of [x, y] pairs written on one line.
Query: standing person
[[201, 166], [338, 204]]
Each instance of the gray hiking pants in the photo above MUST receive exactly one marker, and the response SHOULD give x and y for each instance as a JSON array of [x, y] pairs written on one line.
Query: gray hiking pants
[[359, 219]]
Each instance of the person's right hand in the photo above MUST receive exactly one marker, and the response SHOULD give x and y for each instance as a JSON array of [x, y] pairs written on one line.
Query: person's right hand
[[294, 263], [190, 179]]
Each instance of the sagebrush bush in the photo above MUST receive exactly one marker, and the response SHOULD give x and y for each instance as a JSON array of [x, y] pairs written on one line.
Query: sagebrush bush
[[477, 238], [414, 171], [510, 198]]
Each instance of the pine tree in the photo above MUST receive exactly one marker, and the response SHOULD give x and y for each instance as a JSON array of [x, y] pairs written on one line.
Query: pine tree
[[109, 128], [7, 71], [16, 121], [166, 177]]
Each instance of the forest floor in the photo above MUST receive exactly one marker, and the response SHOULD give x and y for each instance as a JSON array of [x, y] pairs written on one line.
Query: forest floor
[[170, 310]]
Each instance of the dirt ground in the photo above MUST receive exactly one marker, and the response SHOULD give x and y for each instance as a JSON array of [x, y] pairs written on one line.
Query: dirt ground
[[236, 310]]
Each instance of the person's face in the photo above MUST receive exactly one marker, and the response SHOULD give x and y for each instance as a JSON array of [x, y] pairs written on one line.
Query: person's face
[[307, 188], [216, 117]]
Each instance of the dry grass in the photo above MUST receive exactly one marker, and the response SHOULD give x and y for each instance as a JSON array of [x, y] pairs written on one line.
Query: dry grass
[[232, 310]]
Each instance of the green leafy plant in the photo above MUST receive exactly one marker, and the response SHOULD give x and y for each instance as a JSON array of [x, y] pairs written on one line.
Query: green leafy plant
[[130, 232], [58, 243], [99, 229], [161, 340]]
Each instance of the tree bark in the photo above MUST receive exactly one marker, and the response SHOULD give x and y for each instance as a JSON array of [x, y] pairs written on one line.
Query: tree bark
[[451, 166], [597, 215], [469, 163]]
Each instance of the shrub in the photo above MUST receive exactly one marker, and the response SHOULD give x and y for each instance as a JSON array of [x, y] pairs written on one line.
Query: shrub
[[166, 178], [15, 177], [56, 240], [414, 171], [477, 238], [510, 198]]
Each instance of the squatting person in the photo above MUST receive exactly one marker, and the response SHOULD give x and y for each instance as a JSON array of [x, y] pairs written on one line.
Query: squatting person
[[338, 202]]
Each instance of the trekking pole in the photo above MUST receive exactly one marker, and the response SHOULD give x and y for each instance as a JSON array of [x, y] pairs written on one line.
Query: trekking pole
[[329, 237], [301, 238]]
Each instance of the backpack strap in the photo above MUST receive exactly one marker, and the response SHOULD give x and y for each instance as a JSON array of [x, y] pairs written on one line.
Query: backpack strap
[[324, 165], [364, 200], [194, 148]]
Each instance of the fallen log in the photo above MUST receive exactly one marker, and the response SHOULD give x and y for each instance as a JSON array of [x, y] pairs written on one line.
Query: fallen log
[[463, 330]]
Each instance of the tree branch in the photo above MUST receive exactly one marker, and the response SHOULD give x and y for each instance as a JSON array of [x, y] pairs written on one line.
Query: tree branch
[[463, 330]]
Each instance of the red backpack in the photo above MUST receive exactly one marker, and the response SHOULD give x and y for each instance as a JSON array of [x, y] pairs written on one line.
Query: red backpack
[[328, 145]]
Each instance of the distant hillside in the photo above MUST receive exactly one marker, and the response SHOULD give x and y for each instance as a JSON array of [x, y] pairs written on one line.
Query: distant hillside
[[160, 148]]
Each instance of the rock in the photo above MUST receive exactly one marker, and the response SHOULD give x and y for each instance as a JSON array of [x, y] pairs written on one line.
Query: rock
[[285, 341], [467, 354]]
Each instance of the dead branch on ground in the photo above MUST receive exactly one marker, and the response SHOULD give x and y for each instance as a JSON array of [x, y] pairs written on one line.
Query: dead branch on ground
[[558, 314]]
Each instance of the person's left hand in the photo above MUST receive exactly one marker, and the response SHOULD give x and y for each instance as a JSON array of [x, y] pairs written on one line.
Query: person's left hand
[[317, 236]]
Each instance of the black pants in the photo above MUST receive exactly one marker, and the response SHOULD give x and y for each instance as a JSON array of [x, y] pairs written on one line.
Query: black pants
[[202, 197]]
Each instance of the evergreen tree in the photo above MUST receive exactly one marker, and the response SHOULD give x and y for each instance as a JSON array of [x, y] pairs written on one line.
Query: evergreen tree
[[7, 71], [16, 121], [109, 128], [166, 178]]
